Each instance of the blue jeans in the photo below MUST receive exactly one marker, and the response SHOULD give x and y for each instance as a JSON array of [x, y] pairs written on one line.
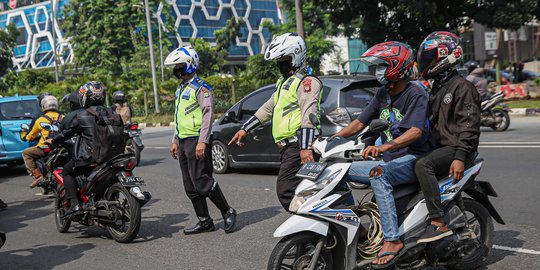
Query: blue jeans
[[396, 172]]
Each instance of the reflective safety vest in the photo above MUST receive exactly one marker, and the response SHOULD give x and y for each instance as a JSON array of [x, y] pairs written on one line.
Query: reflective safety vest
[[188, 116], [287, 117]]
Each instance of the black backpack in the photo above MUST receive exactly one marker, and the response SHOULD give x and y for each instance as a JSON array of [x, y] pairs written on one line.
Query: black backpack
[[109, 136]]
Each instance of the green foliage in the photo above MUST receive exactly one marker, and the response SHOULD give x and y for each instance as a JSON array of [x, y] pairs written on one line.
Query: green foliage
[[501, 13], [228, 34], [259, 72], [8, 40], [211, 59]]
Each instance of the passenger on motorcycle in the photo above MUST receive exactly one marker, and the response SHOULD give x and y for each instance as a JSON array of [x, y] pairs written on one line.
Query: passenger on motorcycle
[[121, 107], [91, 94], [43, 126], [454, 122], [39, 113], [404, 104]]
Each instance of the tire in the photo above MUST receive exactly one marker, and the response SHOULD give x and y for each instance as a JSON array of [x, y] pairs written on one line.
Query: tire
[[479, 255], [505, 120], [131, 147], [62, 225], [119, 231], [220, 157], [2, 239], [282, 248]]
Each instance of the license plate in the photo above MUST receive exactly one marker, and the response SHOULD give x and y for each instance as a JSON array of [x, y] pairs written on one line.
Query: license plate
[[311, 170], [132, 181]]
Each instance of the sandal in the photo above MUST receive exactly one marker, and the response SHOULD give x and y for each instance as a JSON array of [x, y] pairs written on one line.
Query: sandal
[[396, 255]]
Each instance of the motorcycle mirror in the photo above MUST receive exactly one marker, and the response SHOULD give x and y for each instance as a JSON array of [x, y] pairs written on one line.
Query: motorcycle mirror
[[379, 125], [25, 127]]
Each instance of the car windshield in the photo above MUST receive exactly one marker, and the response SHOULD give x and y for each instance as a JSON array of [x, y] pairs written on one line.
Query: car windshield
[[23, 109]]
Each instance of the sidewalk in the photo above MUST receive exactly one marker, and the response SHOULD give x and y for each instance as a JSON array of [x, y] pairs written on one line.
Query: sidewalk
[[525, 112]]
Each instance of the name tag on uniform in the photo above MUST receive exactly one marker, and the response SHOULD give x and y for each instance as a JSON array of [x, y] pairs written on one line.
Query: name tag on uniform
[[186, 94]]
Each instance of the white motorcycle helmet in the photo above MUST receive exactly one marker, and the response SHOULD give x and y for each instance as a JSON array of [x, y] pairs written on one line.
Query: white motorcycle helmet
[[49, 103], [183, 55], [288, 44]]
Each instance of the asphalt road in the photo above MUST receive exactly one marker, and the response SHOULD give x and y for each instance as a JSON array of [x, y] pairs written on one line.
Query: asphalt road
[[33, 242]]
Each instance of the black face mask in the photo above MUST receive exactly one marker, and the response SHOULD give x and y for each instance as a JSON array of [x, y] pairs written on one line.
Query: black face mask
[[179, 71], [285, 67]]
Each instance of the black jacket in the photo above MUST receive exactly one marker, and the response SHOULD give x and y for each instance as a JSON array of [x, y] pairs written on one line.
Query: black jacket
[[82, 125], [455, 115]]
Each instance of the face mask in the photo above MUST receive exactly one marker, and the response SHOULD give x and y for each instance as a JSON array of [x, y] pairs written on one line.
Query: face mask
[[285, 68], [179, 71], [380, 72]]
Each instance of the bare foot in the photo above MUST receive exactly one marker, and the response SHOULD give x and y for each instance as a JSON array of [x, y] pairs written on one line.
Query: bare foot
[[394, 246]]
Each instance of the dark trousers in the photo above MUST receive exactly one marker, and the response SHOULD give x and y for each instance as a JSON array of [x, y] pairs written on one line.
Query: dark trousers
[[69, 172], [287, 180], [429, 169], [197, 178]]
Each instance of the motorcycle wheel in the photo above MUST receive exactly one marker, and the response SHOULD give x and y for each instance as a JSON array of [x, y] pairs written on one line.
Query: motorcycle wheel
[[126, 228], [505, 120], [294, 252], [481, 223], [131, 147], [62, 225]]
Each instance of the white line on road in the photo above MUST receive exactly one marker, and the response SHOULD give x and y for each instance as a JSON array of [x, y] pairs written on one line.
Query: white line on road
[[509, 146], [509, 143], [521, 250], [157, 147]]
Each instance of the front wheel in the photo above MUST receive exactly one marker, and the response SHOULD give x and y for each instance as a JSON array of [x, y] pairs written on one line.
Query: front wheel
[[480, 222], [62, 225], [502, 120], [128, 214], [294, 252]]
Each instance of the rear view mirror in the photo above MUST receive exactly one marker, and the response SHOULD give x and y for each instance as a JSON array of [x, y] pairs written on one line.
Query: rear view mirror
[[378, 125], [231, 116], [25, 127]]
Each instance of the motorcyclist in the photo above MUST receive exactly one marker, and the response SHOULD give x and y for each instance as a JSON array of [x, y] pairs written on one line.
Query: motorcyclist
[[91, 95], [192, 144], [404, 104], [476, 76], [121, 107], [290, 111], [454, 122], [39, 113], [42, 126]]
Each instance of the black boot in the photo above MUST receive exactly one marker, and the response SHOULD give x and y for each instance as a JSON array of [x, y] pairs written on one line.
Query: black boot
[[74, 210], [229, 214], [205, 224]]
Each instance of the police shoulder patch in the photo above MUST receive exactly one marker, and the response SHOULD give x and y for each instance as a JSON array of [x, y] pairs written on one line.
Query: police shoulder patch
[[306, 85]]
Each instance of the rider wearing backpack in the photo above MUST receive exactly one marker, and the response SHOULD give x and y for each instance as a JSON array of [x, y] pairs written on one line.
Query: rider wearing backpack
[[83, 125], [45, 125]]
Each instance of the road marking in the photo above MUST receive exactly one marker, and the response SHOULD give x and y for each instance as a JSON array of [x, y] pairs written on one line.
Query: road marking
[[157, 147], [509, 146], [267, 189], [509, 142], [521, 250]]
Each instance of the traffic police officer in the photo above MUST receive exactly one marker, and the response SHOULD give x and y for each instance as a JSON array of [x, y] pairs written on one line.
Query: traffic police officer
[[193, 119], [297, 96]]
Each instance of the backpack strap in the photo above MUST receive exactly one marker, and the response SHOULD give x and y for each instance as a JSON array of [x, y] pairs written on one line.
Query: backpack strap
[[48, 118]]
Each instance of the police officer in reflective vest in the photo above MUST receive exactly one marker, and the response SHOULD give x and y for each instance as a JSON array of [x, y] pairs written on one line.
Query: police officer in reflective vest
[[296, 97], [193, 120]]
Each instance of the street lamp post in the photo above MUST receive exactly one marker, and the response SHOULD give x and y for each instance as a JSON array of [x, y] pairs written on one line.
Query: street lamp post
[[53, 22], [299, 18], [161, 51], [151, 47]]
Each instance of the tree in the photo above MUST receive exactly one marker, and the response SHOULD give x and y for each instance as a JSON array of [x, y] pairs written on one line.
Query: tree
[[411, 21], [211, 59], [8, 40], [228, 34]]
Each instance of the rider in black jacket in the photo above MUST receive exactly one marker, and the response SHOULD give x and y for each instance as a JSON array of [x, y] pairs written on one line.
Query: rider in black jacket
[[82, 125]]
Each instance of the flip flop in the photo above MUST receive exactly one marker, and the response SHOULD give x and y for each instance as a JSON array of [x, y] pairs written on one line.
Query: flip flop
[[396, 255]]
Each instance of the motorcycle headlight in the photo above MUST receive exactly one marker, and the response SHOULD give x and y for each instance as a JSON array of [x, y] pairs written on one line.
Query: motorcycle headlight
[[300, 198]]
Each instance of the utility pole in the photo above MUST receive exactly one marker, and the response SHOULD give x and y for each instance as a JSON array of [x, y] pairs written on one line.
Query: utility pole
[[53, 23], [161, 52], [152, 63], [299, 18]]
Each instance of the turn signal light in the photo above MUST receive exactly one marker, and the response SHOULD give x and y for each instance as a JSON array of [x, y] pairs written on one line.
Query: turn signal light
[[130, 165]]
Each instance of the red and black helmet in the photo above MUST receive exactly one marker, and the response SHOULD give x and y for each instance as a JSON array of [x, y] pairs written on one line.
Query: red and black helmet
[[395, 59], [438, 52]]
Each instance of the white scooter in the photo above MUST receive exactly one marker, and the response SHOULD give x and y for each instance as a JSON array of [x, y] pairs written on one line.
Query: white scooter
[[325, 232]]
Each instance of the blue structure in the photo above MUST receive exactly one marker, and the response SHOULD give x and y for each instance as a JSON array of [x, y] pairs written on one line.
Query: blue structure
[[193, 19]]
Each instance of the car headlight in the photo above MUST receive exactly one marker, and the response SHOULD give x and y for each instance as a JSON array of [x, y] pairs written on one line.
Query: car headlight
[[302, 196]]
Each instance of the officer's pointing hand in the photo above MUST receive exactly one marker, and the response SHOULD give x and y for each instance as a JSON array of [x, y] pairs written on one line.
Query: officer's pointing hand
[[238, 137]]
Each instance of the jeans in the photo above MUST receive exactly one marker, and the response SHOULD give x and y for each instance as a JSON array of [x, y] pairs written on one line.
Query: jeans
[[396, 172]]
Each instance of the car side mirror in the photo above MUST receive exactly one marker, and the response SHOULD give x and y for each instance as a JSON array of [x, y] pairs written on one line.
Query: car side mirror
[[379, 125], [25, 127], [231, 116]]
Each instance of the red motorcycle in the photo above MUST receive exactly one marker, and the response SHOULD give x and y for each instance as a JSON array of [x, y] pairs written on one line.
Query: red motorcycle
[[110, 194]]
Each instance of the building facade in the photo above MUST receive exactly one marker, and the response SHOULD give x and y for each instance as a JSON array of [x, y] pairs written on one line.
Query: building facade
[[193, 19]]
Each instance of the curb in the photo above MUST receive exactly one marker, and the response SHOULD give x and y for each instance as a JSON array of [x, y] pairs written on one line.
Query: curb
[[525, 112], [145, 125]]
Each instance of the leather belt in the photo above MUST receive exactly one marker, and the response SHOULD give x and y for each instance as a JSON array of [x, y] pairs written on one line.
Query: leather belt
[[283, 143]]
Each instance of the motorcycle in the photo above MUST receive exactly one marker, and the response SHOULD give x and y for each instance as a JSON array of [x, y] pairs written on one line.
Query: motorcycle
[[134, 143], [494, 113], [327, 232], [110, 194]]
